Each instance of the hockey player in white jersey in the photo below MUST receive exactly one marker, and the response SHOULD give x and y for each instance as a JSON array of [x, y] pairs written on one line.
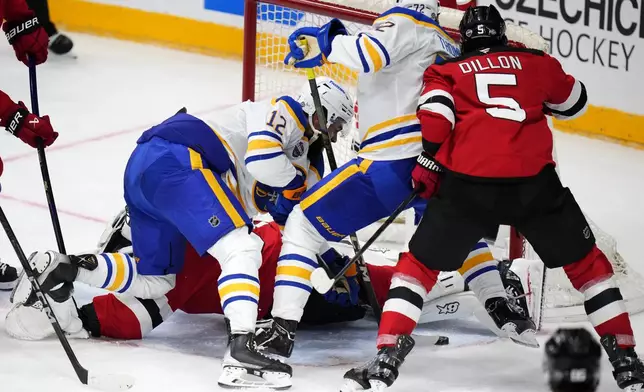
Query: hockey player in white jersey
[[199, 181], [390, 57]]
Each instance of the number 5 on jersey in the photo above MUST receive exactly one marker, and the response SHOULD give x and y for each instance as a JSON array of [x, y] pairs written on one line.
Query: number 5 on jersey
[[504, 107]]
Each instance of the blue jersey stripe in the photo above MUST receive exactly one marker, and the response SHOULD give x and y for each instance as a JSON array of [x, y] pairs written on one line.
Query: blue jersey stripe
[[419, 16], [390, 134], [295, 256], [265, 133], [382, 47], [365, 65], [480, 272], [108, 261], [237, 298], [293, 284], [263, 157], [130, 277], [238, 276], [480, 245]]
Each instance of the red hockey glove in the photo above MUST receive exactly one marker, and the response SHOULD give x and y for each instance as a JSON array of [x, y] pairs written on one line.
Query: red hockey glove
[[28, 38], [28, 127], [426, 175]]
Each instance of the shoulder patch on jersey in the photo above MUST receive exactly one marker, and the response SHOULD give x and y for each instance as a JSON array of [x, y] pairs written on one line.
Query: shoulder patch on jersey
[[295, 109]]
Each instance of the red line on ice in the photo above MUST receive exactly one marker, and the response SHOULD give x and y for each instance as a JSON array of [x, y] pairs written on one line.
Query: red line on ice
[[60, 210]]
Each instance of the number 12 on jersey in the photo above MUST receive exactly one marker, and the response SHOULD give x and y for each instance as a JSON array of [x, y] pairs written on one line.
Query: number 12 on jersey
[[504, 107]]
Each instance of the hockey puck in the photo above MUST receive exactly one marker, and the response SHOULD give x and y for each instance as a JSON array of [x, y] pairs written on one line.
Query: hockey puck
[[442, 341]]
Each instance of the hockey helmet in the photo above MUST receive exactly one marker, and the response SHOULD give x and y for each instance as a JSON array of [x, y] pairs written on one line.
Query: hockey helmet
[[482, 27], [572, 361], [336, 101]]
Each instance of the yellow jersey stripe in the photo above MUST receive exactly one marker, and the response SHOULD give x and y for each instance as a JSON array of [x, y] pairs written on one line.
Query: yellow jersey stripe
[[418, 22], [195, 159], [474, 261], [393, 143], [293, 115], [262, 144], [231, 288], [329, 186], [119, 264], [388, 123], [230, 209], [364, 165], [373, 54], [294, 271]]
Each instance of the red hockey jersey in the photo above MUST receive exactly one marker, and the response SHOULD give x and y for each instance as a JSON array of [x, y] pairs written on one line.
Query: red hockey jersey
[[487, 109]]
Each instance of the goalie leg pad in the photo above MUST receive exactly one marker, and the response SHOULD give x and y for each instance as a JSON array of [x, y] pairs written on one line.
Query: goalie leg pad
[[301, 243], [113, 272], [29, 322], [239, 254], [593, 276]]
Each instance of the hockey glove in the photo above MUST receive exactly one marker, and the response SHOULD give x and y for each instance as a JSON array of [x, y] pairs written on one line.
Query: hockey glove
[[345, 291], [310, 46], [28, 38], [426, 175], [287, 200], [28, 127]]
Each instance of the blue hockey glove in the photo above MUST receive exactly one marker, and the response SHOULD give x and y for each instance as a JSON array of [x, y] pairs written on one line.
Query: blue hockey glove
[[287, 200], [345, 292], [317, 48]]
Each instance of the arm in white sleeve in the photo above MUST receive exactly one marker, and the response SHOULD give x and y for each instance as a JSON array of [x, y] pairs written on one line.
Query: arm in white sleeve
[[265, 158]]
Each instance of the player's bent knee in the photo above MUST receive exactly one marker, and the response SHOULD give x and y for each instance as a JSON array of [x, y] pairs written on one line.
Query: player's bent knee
[[409, 267], [592, 268]]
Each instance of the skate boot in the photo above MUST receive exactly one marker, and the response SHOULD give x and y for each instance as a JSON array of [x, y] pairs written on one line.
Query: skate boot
[[629, 370], [276, 336], [245, 367], [519, 328], [60, 44], [8, 277], [381, 372]]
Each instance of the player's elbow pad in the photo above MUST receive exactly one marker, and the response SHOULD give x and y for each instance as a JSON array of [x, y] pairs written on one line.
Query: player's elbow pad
[[571, 108]]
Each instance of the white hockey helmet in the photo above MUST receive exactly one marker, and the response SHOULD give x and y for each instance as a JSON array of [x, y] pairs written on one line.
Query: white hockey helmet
[[335, 99], [432, 7]]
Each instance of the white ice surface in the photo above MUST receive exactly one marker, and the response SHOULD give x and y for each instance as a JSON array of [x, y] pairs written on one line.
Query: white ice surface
[[102, 101]]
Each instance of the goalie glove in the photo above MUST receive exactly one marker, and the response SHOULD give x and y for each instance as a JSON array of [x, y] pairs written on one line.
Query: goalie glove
[[426, 175], [311, 46]]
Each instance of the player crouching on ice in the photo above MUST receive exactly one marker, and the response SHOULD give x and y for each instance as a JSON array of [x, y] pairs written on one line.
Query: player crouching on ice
[[486, 130], [194, 182], [390, 57]]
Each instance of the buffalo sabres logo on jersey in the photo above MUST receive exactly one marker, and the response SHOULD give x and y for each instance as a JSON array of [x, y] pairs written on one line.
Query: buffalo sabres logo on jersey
[[448, 308]]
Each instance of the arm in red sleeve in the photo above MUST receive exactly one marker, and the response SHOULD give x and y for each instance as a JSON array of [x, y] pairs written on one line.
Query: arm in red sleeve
[[435, 109], [15, 10], [567, 98]]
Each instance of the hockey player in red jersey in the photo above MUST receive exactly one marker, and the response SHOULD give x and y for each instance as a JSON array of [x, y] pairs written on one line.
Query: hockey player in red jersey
[[28, 39], [487, 142]]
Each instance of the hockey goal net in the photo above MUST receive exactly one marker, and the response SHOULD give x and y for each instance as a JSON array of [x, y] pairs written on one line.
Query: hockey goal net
[[267, 25]]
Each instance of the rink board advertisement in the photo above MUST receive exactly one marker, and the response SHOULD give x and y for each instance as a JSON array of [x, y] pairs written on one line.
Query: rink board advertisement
[[598, 41]]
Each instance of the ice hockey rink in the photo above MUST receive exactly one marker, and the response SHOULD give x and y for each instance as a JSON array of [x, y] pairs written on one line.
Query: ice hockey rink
[[101, 102]]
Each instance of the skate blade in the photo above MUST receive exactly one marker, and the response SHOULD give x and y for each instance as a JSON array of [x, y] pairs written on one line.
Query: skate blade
[[377, 386], [634, 388], [351, 386], [526, 338], [234, 377]]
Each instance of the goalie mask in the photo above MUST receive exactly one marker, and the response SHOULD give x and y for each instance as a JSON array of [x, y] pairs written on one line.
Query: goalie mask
[[482, 27], [337, 104]]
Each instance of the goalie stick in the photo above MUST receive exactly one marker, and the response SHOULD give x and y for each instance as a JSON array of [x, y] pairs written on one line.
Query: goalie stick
[[104, 382], [363, 275], [44, 169]]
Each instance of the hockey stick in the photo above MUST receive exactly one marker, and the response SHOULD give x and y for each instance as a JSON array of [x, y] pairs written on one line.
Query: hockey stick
[[319, 278], [103, 382], [44, 169], [363, 276]]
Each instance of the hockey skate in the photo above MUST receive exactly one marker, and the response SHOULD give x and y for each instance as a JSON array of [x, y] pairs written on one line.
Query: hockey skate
[[245, 368], [381, 372], [8, 277], [519, 327], [629, 370], [276, 336]]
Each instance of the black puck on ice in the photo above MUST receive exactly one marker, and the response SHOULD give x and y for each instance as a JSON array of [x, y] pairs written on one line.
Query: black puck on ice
[[442, 341]]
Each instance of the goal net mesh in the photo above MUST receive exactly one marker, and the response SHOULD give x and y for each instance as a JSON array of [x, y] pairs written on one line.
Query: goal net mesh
[[272, 78]]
